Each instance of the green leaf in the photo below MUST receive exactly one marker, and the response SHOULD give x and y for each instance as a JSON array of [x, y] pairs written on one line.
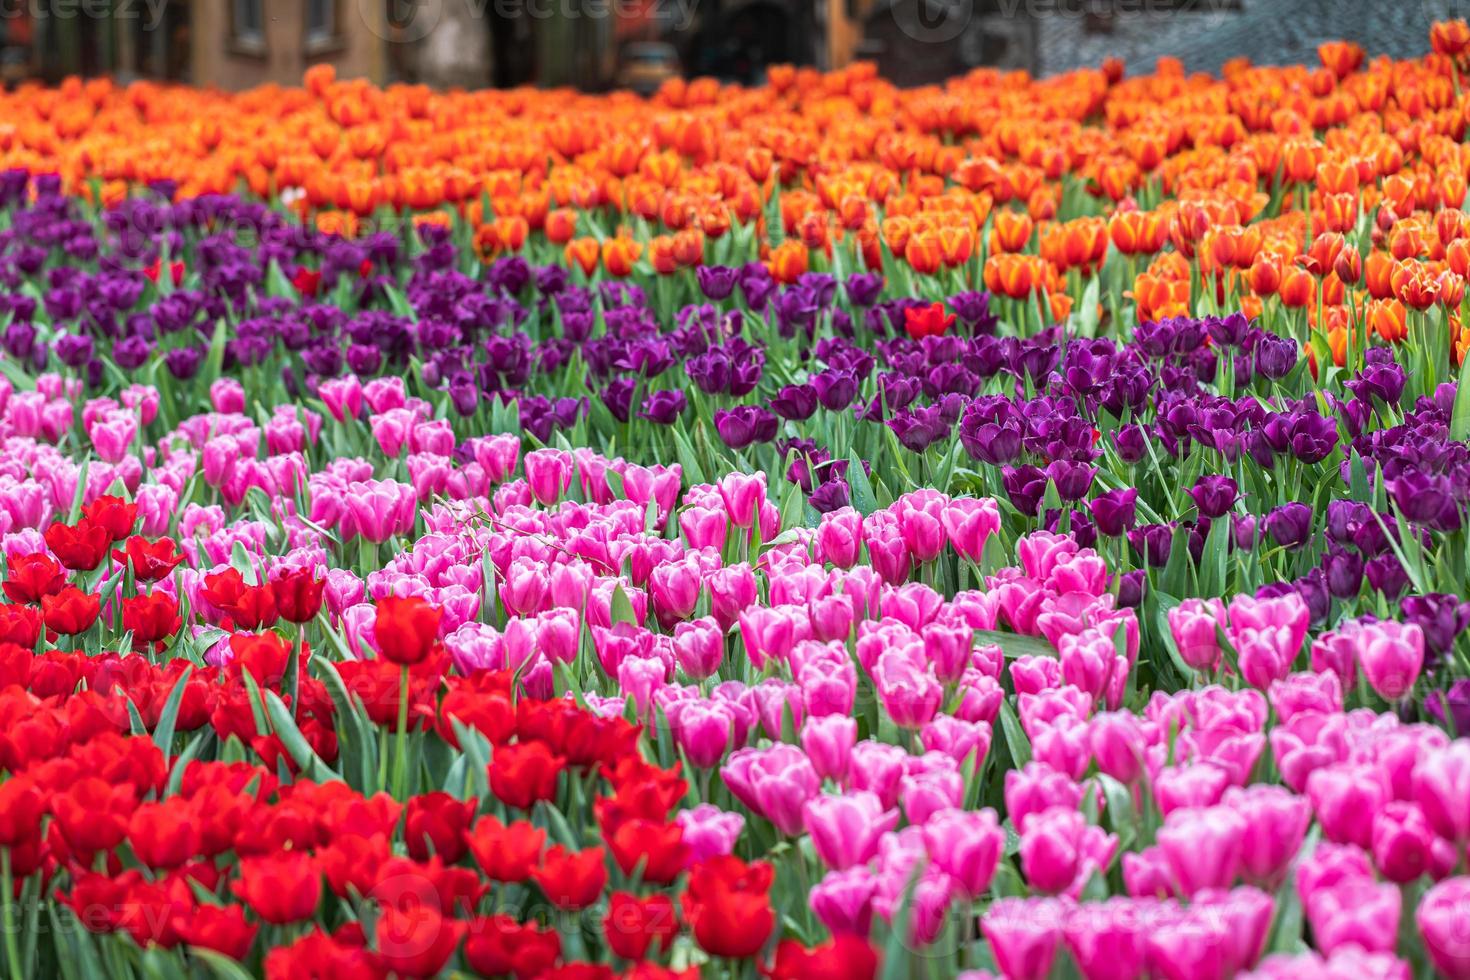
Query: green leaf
[[1015, 645], [163, 735], [622, 608], [1460, 413], [76, 500], [1087, 316], [862, 489], [1016, 739], [301, 752], [219, 964]]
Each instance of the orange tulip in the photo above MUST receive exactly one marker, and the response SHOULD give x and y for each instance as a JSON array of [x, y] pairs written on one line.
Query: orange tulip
[[923, 252], [1449, 37], [619, 254], [1297, 288], [561, 225], [1265, 274], [789, 261], [1010, 231], [584, 253], [1387, 318]]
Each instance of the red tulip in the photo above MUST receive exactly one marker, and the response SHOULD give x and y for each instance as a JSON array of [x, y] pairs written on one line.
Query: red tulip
[[30, 577], [405, 629], [634, 924], [572, 880], [151, 561], [281, 888], [249, 607], [20, 625], [728, 905], [80, 547], [845, 957], [164, 835], [299, 595], [70, 611], [658, 847], [20, 810], [435, 823], [505, 853], [417, 941], [222, 929], [115, 515], [523, 773], [499, 945], [150, 618], [927, 321]]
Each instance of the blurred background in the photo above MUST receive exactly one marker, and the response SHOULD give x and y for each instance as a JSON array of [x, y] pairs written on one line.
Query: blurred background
[[601, 44]]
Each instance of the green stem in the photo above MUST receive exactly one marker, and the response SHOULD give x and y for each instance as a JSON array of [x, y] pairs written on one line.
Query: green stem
[[12, 951], [400, 752]]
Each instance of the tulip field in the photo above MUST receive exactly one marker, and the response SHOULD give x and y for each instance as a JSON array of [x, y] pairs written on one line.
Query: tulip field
[[1014, 529]]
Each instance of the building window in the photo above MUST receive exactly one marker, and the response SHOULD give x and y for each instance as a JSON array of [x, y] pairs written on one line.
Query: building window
[[322, 32], [247, 25]]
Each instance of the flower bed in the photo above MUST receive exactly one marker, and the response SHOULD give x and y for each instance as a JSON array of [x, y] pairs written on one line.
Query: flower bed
[[641, 547]]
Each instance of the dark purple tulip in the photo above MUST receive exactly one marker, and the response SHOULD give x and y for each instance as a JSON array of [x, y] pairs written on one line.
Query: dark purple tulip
[[1275, 356], [973, 309], [1290, 525], [1344, 570], [364, 359], [1115, 512], [618, 397], [73, 350], [1214, 495], [864, 288], [795, 402], [1442, 618], [184, 362], [1313, 437], [1451, 708], [830, 496], [1227, 331], [551, 279], [1153, 542], [757, 285], [1387, 575], [989, 442], [1025, 485], [835, 388], [1072, 479], [918, 429], [1425, 498], [1131, 588], [663, 407], [1384, 382], [1312, 587], [717, 282], [464, 396], [743, 425], [1344, 517], [1131, 441], [131, 353]]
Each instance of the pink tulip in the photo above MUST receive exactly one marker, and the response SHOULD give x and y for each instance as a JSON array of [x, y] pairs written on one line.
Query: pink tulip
[[1202, 846], [1200, 784], [970, 522], [1108, 940], [701, 728], [1275, 825], [1035, 788], [674, 588], [1335, 651], [839, 537], [922, 533], [845, 828], [774, 783], [843, 901], [342, 396], [742, 495], [385, 394], [227, 396], [1246, 913], [1306, 691], [1190, 946], [1194, 623], [1032, 675], [1442, 916], [908, 689], [1442, 788], [523, 591], [1287, 612], [887, 552], [1346, 798], [1330, 866], [392, 430], [1042, 551], [559, 633], [1146, 874], [1063, 745], [879, 767], [828, 742], [1024, 936], [956, 738], [1403, 842], [1266, 654], [732, 590], [1060, 850], [1392, 654], [703, 527], [966, 845], [709, 831], [497, 455], [549, 474], [1088, 660], [932, 790], [1361, 913], [1117, 741], [699, 646]]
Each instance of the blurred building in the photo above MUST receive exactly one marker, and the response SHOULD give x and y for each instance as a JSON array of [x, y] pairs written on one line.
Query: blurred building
[[596, 44]]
